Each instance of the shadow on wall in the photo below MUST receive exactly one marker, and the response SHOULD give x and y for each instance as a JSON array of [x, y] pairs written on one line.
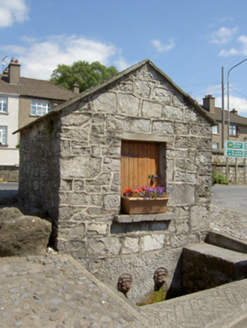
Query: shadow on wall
[[176, 288], [118, 228]]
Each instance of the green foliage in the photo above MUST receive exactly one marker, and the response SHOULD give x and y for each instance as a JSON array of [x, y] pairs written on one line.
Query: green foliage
[[155, 297], [85, 74], [219, 178]]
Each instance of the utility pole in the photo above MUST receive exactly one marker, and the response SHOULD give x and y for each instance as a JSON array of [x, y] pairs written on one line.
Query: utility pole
[[223, 109]]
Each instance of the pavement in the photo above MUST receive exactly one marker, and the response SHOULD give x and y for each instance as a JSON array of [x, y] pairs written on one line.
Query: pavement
[[55, 291]]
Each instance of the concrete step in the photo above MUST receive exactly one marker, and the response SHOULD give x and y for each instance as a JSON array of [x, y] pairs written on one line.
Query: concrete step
[[218, 252]]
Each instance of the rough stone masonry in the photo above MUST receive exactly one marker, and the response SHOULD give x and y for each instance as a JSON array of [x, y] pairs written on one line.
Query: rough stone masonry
[[70, 166]]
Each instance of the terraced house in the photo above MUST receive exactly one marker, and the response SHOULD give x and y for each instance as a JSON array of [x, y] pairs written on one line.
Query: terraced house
[[22, 100], [237, 127]]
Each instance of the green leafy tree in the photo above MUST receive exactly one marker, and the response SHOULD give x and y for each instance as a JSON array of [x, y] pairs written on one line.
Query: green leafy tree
[[85, 74]]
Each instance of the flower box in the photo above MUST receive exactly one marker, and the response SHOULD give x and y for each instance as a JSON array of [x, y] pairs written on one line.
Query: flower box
[[144, 205]]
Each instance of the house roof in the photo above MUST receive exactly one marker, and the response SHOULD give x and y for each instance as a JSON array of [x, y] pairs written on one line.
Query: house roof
[[35, 88], [234, 118], [115, 78]]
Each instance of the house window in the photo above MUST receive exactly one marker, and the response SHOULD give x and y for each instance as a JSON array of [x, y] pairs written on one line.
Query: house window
[[233, 130], [39, 108], [215, 129], [215, 145], [3, 135], [3, 105]]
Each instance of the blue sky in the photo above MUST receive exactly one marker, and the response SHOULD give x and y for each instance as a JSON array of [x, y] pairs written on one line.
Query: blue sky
[[190, 40]]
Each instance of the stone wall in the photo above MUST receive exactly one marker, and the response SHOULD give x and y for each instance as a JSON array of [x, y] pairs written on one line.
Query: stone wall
[[9, 173], [202, 271], [142, 106], [237, 172], [39, 166]]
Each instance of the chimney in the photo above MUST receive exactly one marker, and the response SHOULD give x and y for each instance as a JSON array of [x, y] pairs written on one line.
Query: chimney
[[234, 111], [209, 103], [76, 88], [6, 72], [14, 72]]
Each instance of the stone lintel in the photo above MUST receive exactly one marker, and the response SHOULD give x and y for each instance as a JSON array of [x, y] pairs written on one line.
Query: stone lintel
[[146, 137], [124, 218]]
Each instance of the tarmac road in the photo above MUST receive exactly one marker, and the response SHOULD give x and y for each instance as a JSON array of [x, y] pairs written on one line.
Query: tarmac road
[[233, 197], [8, 186]]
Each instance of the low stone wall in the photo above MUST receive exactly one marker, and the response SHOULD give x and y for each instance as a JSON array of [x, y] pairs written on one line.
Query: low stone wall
[[141, 267], [9, 174], [237, 172], [209, 266]]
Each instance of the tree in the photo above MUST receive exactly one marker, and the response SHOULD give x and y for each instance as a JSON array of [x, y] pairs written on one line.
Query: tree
[[85, 74]]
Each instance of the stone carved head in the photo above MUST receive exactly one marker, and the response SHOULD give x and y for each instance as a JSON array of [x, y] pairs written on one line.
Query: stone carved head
[[159, 277], [124, 283]]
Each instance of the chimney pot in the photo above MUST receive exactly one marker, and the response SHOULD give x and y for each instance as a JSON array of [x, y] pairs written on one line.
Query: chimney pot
[[76, 88], [14, 72], [234, 111], [209, 103]]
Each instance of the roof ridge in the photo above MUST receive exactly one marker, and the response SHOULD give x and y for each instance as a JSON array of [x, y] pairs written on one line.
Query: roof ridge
[[115, 78], [47, 81]]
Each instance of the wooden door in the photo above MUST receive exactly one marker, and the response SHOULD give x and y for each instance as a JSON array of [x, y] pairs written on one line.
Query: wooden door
[[139, 160]]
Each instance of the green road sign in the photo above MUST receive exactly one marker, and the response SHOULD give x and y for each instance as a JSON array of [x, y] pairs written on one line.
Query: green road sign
[[234, 144], [236, 149], [234, 153]]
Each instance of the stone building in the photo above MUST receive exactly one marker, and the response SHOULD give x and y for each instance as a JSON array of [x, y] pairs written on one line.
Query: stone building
[[71, 167]]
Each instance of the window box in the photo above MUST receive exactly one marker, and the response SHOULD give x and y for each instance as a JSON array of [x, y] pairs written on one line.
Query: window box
[[144, 205]]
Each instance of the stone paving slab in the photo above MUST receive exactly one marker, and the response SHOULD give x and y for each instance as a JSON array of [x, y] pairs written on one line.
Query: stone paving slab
[[221, 307], [57, 292]]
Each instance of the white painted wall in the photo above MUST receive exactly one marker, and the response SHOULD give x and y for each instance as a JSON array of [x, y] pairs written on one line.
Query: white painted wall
[[10, 155]]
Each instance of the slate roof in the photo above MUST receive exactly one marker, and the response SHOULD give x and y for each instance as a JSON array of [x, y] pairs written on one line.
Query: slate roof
[[119, 76], [234, 118], [35, 88]]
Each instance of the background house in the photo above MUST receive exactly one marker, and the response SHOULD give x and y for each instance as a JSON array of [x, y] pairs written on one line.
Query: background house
[[102, 142], [238, 124], [22, 100], [233, 169]]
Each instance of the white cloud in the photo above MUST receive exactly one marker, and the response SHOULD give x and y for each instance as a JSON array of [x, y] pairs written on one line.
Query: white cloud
[[163, 47], [223, 35], [231, 52], [121, 64], [40, 58], [240, 104], [242, 50], [12, 11]]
